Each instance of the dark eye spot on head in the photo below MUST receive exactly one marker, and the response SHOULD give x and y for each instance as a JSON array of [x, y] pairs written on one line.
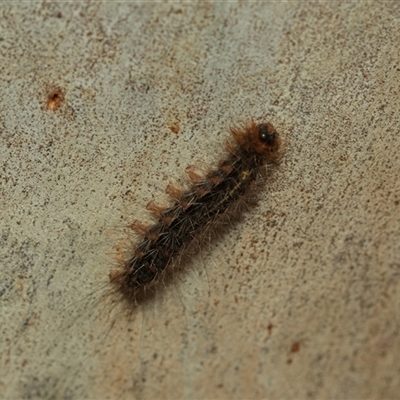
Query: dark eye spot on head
[[266, 136]]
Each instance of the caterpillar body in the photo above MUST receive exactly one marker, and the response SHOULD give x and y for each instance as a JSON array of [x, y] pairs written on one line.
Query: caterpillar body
[[211, 199]]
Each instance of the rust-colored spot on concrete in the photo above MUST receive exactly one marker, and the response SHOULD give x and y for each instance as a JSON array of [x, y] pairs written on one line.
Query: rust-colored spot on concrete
[[295, 347], [54, 99]]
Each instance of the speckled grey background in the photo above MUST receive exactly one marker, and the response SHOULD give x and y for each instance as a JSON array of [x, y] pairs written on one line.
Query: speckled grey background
[[301, 299]]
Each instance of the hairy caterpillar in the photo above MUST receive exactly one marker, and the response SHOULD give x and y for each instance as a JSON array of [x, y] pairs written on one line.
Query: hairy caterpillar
[[212, 199]]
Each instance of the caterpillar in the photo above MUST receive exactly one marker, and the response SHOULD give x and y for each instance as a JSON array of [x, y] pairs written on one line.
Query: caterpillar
[[211, 200]]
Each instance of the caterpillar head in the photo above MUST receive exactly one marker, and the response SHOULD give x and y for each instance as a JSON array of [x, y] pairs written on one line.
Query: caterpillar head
[[260, 138]]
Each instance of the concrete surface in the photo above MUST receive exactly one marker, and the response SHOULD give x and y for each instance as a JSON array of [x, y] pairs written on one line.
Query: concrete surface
[[101, 104]]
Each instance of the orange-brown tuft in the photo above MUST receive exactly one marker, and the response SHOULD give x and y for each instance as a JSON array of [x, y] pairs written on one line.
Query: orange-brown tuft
[[167, 220], [226, 169], [154, 208], [201, 190], [215, 179], [194, 175], [138, 227], [173, 191], [153, 236]]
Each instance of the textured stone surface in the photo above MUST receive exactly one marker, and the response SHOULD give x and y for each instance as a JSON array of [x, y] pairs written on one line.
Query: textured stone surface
[[102, 104]]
